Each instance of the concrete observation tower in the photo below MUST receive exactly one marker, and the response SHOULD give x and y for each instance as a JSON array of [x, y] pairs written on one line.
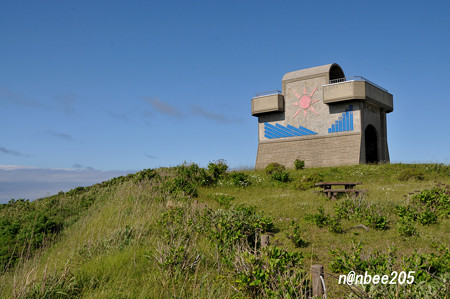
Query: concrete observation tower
[[323, 118]]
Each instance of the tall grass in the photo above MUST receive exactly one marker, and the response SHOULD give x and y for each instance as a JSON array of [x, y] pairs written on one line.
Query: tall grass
[[164, 233]]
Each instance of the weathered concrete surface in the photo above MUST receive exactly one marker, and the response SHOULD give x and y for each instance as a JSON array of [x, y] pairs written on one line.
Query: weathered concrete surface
[[335, 117], [316, 151], [268, 103], [360, 90]]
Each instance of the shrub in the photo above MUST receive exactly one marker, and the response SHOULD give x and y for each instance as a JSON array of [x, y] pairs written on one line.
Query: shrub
[[376, 221], [28, 226], [240, 179], [299, 164], [359, 209], [274, 167], [410, 173], [334, 225], [427, 217], [277, 172], [274, 273], [434, 198], [405, 227], [355, 260], [295, 237], [223, 199], [280, 176], [439, 168], [217, 169], [350, 209], [308, 181], [228, 228], [430, 271], [406, 212], [146, 174], [187, 179], [428, 266], [320, 219], [425, 207]]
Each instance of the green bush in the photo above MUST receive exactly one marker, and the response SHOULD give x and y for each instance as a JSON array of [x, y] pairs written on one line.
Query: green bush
[[274, 167], [428, 266], [217, 169], [377, 221], [427, 217], [274, 273], [406, 228], [430, 271], [334, 225], [350, 209], [406, 212], [320, 219], [240, 179], [435, 199], [187, 179], [223, 199], [299, 164], [411, 174], [25, 226], [231, 227], [295, 237], [424, 207], [359, 209], [280, 176], [438, 168], [308, 181], [277, 172], [358, 261], [146, 174]]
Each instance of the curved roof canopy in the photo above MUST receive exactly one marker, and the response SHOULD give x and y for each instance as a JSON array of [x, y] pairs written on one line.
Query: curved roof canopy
[[333, 70]]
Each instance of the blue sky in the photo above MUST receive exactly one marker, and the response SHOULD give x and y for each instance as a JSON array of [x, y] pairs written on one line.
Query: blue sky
[[117, 86]]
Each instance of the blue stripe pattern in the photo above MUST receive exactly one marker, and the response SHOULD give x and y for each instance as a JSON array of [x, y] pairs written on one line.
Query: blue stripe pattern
[[279, 131], [345, 122]]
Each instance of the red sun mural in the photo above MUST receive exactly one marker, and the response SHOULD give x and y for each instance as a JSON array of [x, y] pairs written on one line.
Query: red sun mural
[[305, 102]]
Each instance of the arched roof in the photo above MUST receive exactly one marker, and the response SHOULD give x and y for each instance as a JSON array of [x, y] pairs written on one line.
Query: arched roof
[[312, 72]]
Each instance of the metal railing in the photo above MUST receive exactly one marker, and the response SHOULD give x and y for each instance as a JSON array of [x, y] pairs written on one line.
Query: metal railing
[[266, 93], [356, 78]]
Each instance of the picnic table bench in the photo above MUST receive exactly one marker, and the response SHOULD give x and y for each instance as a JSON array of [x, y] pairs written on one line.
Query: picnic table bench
[[332, 193]]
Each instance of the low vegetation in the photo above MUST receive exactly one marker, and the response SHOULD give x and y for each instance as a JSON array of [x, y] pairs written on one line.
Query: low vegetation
[[189, 231]]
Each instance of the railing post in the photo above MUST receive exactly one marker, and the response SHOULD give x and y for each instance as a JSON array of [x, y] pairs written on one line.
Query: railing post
[[317, 287], [264, 240]]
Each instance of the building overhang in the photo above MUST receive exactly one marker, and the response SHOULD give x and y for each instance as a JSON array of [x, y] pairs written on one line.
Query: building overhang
[[267, 103], [358, 90]]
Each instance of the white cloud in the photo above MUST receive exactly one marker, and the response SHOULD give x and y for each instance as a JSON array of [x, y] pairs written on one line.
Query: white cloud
[[15, 167], [29, 182]]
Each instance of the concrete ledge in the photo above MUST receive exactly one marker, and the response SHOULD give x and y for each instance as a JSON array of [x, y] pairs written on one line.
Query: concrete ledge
[[268, 103], [357, 90]]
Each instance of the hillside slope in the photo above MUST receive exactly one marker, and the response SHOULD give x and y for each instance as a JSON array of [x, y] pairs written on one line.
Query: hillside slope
[[193, 232]]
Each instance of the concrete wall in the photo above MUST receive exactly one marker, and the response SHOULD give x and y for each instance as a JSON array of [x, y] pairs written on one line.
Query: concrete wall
[[316, 151], [310, 133], [319, 118], [373, 115]]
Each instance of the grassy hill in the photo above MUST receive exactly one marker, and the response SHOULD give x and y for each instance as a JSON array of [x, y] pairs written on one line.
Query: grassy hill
[[187, 231]]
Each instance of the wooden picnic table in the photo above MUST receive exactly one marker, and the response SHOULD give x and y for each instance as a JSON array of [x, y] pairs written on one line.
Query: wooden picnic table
[[332, 193], [348, 185]]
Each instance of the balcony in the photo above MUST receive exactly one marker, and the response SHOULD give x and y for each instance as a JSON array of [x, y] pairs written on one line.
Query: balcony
[[270, 101], [357, 88]]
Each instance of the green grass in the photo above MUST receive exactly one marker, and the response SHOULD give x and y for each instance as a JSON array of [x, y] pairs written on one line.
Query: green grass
[[110, 241]]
